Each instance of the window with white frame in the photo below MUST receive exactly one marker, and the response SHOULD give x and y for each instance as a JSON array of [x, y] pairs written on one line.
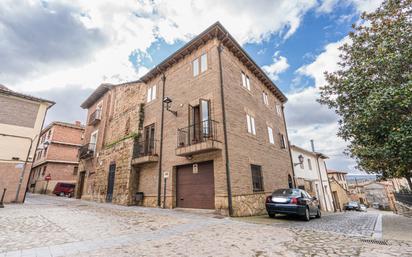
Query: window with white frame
[[250, 124], [279, 109], [93, 141], [195, 67], [203, 63], [265, 98], [270, 134], [151, 93], [245, 81]]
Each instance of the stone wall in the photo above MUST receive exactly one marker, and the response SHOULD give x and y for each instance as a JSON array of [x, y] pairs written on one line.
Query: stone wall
[[403, 209]]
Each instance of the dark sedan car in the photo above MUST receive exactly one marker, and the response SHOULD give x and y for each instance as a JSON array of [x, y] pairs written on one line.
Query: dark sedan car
[[352, 206], [292, 201]]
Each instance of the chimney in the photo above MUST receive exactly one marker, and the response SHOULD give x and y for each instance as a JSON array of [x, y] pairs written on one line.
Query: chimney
[[312, 144], [78, 123]]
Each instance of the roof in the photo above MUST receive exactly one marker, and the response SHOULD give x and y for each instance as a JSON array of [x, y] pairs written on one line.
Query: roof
[[96, 95], [6, 91], [336, 171], [323, 156], [215, 31], [64, 124]]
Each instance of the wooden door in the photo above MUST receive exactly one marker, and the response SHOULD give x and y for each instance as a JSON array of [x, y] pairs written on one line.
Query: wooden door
[[110, 182], [195, 190]]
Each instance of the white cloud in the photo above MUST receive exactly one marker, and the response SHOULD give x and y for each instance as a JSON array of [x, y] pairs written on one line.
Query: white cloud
[[307, 119], [108, 32], [360, 6], [279, 65]]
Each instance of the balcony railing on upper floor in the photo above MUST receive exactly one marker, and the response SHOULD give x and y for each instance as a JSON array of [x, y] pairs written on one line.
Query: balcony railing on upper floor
[[144, 151], [198, 138], [95, 117], [87, 150]]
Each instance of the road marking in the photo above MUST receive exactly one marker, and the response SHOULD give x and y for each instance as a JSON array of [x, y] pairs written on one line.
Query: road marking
[[377, 231]]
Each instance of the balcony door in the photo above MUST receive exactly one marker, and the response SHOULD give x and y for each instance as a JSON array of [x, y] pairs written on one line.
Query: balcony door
[[199, 121], [149, 139]]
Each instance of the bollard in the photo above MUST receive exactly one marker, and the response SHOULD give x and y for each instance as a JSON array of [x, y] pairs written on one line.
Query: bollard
[[2, 198]]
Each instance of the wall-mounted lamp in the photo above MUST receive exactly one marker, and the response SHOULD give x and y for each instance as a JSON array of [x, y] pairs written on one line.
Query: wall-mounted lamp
[[300, 158], [168, 101]]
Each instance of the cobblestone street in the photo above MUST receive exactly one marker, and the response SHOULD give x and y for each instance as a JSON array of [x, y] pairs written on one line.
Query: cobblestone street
[[56, 226]]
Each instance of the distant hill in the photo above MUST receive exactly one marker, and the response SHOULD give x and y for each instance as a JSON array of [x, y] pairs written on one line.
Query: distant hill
[[359, 178]]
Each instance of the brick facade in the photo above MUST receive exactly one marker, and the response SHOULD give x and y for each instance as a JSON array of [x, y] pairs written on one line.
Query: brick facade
[[57, 156], [122, 120]]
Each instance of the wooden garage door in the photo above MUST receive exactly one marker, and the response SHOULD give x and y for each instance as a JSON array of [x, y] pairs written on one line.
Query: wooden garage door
[[195, 190]]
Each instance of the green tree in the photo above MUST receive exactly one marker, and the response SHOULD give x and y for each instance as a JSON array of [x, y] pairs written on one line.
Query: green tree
[[372, 91]]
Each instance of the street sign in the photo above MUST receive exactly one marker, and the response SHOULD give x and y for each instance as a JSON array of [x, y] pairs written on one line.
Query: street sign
[[47, 178], [165, 174]]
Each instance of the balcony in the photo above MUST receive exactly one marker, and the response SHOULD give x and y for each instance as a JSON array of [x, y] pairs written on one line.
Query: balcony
[[87, 151], [198, 138], [95, 117], [144, 152]]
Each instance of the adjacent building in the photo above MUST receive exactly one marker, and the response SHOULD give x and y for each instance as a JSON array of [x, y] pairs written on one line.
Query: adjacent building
[[311, 176], [203, 129], [56, 156], [21, 120], [339, 188]]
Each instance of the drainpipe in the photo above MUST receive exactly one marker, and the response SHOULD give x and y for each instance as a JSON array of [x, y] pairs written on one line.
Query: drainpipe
[[229, 188], [290, 154], [159, 181]]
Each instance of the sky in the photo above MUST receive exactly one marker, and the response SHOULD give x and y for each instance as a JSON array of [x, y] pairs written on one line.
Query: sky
[[62, 50]]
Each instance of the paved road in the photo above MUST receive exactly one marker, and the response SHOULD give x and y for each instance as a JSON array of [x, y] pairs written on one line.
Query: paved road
[[54, 226]]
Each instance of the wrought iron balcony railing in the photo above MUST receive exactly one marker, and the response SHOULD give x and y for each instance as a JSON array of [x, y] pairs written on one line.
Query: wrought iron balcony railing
[[206, 130], [87, 150], [95, 117], [142, 148]]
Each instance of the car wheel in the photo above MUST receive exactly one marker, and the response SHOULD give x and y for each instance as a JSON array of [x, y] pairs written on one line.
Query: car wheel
[[306, 217], [272, 215], [318, 214]]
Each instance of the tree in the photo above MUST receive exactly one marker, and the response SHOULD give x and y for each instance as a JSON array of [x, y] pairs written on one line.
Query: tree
[[372, 91]]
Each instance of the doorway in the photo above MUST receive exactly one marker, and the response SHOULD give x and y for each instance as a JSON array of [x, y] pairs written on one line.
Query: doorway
[[110, 182], [82, 176]]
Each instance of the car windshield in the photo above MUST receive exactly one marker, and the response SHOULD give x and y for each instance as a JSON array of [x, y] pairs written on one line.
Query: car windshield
[[353, 204], [287, 192]]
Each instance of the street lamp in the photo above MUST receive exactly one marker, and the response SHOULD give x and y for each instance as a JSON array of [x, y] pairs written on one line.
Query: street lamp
[[300, 158], [168, 101]]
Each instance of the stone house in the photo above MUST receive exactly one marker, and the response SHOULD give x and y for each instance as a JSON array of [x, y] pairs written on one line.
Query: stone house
[[203, 129], [57, 156], [339, 188], [311, 175], [21, 120]]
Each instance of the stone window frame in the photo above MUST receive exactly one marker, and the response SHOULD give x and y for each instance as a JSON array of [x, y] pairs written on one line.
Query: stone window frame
[[245, 80], [250, 124], [200, 64], [270, 135], [151, 93]]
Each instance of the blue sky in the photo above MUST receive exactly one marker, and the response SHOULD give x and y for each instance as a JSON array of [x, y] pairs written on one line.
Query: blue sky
[[62, 50]]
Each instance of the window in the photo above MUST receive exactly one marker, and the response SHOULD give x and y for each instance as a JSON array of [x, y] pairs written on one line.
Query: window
[[250, 124], [270, 133], [279, 109], [257, 178], [265, 98], [302, 165], [245, 81], [282, 141], [75, 170], [93, 141], [203, 63], [44, 171], [196, 67], [151, 93], [309, 164]]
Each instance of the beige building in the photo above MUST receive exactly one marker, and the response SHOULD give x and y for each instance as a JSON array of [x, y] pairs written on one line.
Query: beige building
[[21, 120], [56, 156], [339, 188], [203, 129], [311, 175]]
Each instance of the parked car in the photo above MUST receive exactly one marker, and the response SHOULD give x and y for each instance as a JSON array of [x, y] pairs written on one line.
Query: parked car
[[292, 201], [64, 189], [352, 206], [362, 207]]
